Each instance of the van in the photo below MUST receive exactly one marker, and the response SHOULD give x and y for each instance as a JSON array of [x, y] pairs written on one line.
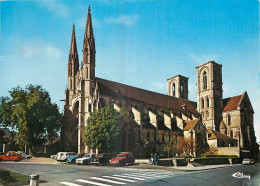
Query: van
[[63, 156]]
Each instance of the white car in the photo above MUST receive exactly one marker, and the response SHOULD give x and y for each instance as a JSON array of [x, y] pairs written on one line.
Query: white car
[[86, 159], [63, 156], [54, 156], [247, 161], [24, 155]]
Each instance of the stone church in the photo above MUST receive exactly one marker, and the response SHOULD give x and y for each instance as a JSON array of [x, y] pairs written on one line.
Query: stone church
[[226, 124]]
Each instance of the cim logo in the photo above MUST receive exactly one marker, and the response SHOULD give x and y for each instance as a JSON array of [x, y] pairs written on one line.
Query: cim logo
[[241, 175]]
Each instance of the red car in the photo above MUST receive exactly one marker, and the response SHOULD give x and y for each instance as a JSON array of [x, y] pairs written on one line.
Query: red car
[[122, 159], [10, 156]]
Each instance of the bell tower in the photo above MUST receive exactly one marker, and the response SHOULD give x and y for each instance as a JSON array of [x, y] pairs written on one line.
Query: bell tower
[[178, 87], [210, 93]]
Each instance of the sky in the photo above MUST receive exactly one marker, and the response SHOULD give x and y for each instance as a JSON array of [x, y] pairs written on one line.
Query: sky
[[140, 43]]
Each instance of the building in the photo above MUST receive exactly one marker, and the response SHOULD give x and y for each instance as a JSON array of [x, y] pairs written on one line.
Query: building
[[216, 121]]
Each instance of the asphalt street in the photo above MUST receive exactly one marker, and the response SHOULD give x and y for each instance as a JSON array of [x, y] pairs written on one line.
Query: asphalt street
[[76, 175]]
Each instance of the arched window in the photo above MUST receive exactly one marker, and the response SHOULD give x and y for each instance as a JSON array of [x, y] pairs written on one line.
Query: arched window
[[173, 89], [229, 119], [204, 80], [207, 102], [202, 103], [231, 134], [182, 89]]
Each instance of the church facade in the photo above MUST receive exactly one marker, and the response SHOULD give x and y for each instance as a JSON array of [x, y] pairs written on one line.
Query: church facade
[[226, 124]]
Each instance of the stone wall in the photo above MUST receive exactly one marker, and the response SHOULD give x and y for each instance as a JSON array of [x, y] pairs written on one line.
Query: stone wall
[[229, 151]]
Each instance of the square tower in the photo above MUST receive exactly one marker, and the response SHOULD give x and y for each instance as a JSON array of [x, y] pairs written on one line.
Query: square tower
[[178, 86], [209, 93]]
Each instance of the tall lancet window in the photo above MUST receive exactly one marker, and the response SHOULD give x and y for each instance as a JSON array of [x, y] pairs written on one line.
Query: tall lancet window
[[207, 102], [182, 89], [173, 89], [202, 103], [205, 80]]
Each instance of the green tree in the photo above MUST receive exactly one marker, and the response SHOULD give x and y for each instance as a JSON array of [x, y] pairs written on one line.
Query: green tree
[[30, 112], [103, 129]]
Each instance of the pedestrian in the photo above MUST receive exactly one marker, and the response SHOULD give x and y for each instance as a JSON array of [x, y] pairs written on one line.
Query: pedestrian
[[156, 157], [151, 160]]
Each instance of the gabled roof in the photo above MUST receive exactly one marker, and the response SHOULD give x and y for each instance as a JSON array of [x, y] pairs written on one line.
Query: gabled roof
[[218, 135], [190, 124], [232, 103], [115, 89]]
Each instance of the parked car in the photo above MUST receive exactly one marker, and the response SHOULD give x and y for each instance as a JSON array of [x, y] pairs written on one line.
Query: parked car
[[86, 159], [72, 159], [102, 159], [63, 156], [247, 161], [24, 155], [54, 156], [122, 159], [10, 156]]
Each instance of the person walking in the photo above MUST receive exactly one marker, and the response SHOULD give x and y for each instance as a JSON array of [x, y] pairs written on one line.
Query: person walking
[[156, 157], [151, 161]]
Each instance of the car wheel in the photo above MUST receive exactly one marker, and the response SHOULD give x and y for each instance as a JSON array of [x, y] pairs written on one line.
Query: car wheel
[[73, 161], [1, 159], [122, 163]]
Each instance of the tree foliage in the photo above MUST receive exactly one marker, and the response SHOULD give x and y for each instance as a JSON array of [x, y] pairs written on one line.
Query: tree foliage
[[30, 112], [103, 128], [185, 146]]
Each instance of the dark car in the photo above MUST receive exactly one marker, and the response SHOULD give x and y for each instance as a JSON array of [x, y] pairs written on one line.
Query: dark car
[[122, 159], [102, 159], [10, 156]]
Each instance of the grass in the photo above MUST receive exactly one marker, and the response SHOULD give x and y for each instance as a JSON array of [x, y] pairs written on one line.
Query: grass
[[8, 178]]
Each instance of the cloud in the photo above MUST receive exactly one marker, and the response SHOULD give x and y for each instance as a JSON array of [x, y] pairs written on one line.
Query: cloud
[[124, 19], [56, 7], [203, 58], [159, 87]]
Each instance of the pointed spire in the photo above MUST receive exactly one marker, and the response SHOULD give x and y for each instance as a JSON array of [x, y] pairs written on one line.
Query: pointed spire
[[73, 45], [73, 55], [89, 35]]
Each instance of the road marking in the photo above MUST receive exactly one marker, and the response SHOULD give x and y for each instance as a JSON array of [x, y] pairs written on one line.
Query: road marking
[[122, 179], [144, 176], [129, 177], [91, 182], [70, 184], [107, 180]]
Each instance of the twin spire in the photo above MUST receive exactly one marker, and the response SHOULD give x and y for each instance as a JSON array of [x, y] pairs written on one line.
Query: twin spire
[[88, 43]]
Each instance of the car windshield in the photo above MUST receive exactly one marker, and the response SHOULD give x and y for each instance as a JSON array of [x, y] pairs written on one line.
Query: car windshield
[[120, 156], [87, 155]]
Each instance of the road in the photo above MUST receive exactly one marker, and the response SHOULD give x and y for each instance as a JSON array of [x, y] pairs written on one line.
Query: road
[[75, 175]]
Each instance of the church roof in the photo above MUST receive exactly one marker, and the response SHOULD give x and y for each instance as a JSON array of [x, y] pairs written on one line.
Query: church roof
[[190, 124], [232, 103], [218, 135], [115, 89]]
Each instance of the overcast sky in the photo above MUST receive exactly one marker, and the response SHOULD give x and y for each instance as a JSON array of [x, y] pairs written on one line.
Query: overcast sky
[[138, 42]]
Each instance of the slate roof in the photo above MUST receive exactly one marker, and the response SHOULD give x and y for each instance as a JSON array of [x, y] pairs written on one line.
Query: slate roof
[[190, 124], [232, 103], [115, 89], [218, 135]]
